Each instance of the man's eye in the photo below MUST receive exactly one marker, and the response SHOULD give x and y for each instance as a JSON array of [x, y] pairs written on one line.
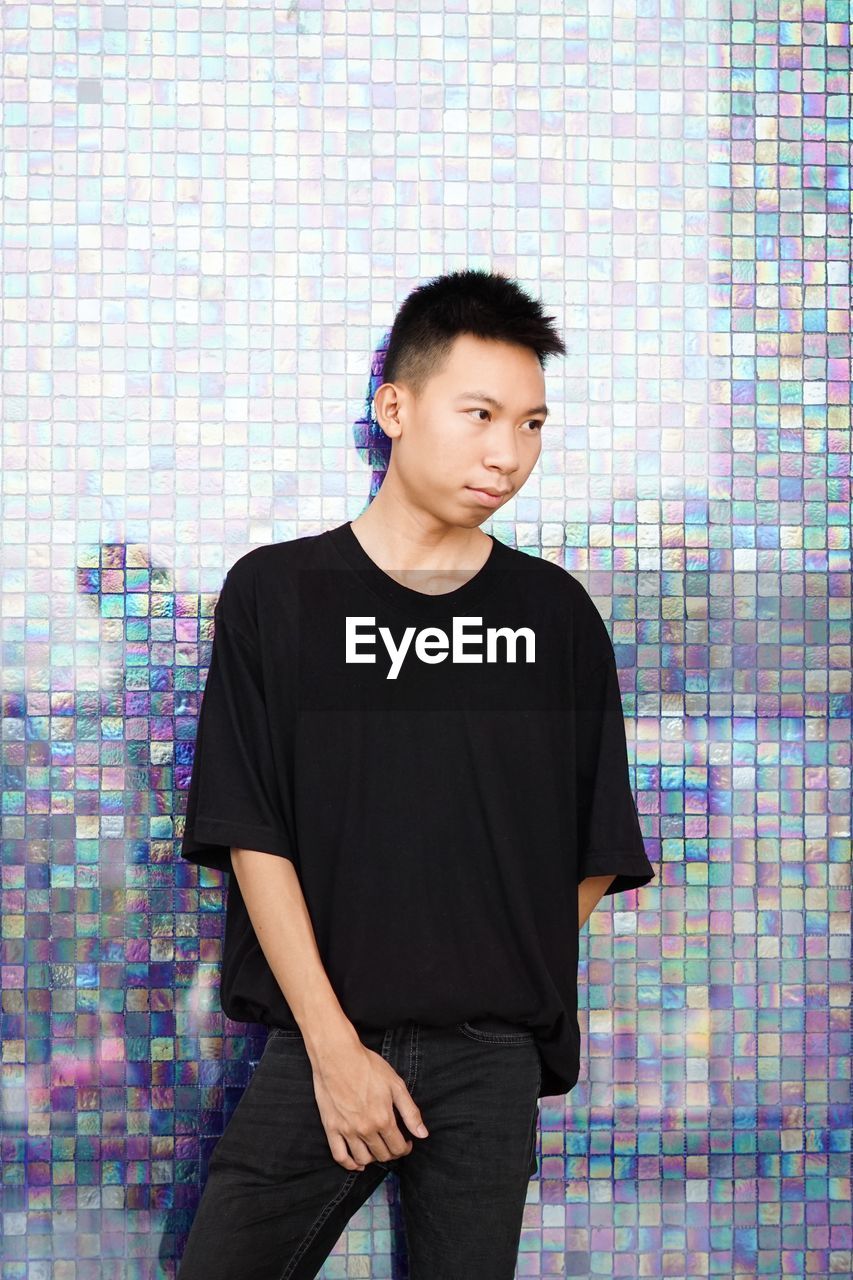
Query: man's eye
[[536, 421]]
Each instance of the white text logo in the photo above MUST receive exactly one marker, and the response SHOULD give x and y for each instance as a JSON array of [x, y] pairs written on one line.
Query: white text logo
[[432, 645]]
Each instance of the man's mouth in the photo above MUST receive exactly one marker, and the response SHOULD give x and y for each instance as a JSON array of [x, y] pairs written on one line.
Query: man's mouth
[[489, 497]]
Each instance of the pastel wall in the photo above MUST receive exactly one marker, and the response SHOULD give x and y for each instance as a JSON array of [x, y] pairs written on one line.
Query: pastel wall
[[210, 213]]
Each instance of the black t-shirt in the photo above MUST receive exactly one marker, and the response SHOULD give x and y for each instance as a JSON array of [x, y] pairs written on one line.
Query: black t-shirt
[[442, 770]]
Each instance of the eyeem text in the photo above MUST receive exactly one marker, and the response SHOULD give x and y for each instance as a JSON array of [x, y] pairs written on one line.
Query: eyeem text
[[432, 644]]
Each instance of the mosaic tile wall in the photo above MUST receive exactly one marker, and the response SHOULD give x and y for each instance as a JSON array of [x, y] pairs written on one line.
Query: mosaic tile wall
[[210, 213]]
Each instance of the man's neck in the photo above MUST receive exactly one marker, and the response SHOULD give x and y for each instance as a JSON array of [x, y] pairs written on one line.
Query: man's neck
[[403, 545]]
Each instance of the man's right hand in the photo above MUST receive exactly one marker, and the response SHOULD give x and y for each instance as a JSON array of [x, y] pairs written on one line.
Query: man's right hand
[[357, 1091]]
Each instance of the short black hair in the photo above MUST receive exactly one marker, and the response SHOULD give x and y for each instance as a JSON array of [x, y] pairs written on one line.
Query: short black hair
[[486, 304]]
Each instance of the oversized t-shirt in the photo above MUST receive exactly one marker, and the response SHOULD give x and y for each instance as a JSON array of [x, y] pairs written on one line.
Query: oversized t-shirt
[[442, 770]]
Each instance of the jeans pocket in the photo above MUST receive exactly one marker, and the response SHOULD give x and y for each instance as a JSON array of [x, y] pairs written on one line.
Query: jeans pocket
[[495, 1031]]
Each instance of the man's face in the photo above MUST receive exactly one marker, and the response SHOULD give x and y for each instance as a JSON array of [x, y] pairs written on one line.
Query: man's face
[[476, 425]]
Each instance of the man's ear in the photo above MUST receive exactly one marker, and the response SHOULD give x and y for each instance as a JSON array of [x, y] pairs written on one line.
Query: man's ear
[[387, 403]]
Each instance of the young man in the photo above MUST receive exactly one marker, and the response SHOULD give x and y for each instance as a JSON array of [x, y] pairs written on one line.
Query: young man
[[411, 757]]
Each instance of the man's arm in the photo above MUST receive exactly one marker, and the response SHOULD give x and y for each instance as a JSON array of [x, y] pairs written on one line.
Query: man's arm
[[278, 912], [356, 1089], [590, 892]]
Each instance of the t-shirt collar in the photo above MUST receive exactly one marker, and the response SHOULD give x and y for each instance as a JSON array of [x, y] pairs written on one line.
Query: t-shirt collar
[[344, 540]]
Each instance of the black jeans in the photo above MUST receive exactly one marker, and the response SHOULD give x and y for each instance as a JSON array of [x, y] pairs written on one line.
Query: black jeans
[[276, 1201]]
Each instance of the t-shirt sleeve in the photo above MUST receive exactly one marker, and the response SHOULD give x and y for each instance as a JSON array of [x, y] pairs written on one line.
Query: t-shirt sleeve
[[610, 839], [234, 794]]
